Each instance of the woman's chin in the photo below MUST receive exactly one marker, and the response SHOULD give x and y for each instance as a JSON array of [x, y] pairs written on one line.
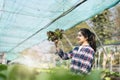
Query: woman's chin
[[80, 43]]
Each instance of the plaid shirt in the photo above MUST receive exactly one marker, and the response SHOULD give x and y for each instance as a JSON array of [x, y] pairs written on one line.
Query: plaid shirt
[[82, 58]]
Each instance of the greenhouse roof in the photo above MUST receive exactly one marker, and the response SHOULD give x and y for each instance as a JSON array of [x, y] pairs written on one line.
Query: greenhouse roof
[[24, 23]]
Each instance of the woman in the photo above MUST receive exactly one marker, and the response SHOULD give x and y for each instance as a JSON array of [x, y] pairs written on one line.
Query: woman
[[81, 56]]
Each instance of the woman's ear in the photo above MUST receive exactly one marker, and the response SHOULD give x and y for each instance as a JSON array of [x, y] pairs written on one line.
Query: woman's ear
[[86, 38]]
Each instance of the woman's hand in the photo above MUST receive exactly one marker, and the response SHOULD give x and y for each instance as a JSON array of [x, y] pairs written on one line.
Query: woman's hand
[[56, 45]]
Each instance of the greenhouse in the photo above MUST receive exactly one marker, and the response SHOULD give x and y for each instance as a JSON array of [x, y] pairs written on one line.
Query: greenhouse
[[31, 32]]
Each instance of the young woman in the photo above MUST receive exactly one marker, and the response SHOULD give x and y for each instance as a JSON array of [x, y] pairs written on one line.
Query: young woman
[[81, 56]]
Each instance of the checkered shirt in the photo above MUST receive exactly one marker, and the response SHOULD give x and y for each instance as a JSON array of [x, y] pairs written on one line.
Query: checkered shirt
[[81, 60]]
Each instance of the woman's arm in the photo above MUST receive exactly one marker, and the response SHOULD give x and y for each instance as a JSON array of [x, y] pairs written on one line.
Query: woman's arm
[[65, 56]]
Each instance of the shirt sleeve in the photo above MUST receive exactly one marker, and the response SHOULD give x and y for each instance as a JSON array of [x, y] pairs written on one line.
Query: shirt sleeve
[[67, 55]]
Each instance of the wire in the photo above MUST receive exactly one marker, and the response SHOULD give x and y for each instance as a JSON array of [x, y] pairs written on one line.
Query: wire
[[18, 13], [63, 14], [68, 41], [9, 17], [3, 6]]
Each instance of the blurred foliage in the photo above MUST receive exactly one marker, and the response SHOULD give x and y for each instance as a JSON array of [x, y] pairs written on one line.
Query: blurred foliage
[[65, 74], [3, 72], [103, 26], [108, 75], [3, 67], [117, 20], [23, 72], [20, 72], [106, 25]]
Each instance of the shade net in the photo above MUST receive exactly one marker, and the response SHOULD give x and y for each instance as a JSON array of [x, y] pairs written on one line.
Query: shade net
[[24, 23]]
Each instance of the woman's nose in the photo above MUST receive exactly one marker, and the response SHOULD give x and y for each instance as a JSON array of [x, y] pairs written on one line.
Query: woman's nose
[[77, 37]]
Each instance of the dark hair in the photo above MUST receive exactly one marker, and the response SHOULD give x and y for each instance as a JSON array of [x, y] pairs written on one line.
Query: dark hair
[[91, 37]]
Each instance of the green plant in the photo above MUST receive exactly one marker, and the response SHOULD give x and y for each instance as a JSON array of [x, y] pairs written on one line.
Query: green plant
[[108, 75], [3, 67], [20, 72], [3, 72], [23, 72], [55, 35], [65, 74]]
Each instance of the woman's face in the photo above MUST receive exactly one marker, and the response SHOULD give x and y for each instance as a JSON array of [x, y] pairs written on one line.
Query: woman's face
[[81, 39]]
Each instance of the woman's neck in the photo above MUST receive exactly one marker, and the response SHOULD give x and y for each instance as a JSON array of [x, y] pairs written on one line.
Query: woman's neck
[[85, 43]]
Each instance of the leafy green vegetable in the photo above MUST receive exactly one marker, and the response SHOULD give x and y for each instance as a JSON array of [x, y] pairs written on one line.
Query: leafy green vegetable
[[56, 35]]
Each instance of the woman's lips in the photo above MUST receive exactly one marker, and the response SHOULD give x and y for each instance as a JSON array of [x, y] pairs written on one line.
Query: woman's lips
[[78, 39]]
